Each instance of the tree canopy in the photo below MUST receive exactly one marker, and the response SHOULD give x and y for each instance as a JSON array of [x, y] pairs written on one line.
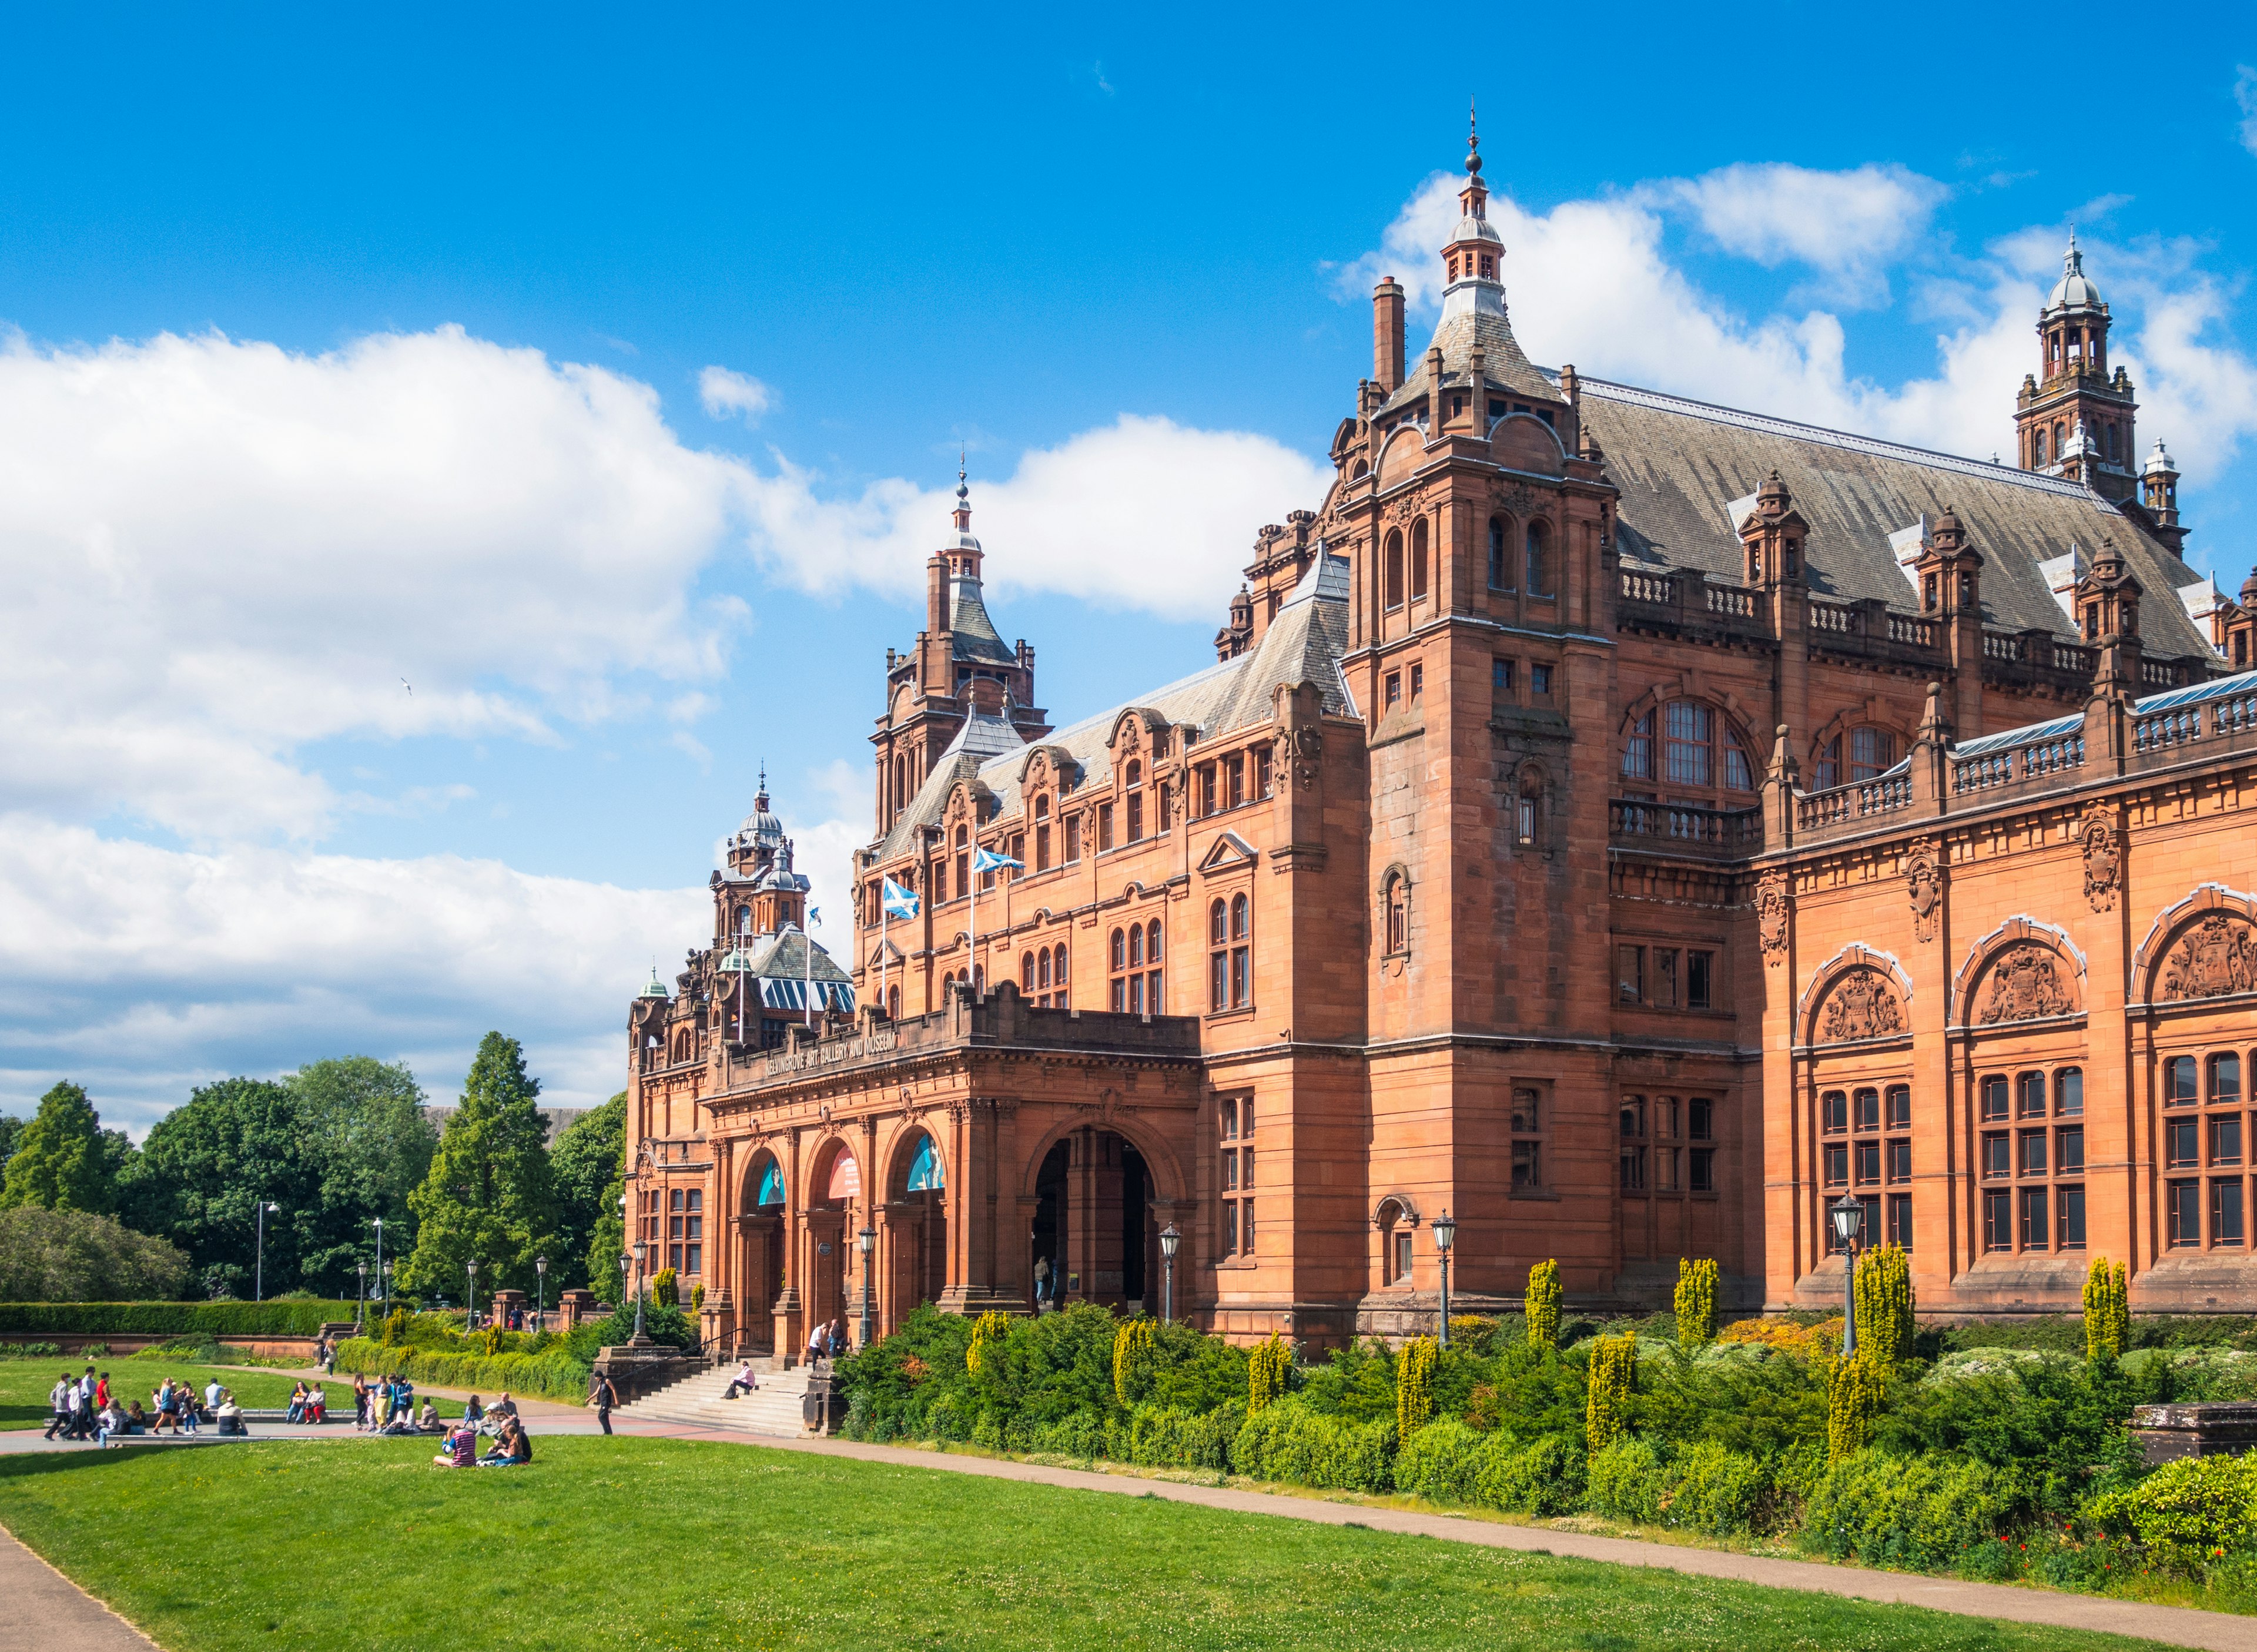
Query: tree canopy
[[78, 1256], [64, 1160], [588, 1161], [490, 1196]]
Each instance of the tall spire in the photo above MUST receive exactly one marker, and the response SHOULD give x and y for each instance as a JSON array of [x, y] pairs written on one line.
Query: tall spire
[[963, 494]]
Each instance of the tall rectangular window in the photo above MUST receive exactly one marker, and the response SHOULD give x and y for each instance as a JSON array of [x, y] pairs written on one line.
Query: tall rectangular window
[[1901, 1220], [2183, 1213], [2224, 1080], [1630, 974], [2069, 1092], [1900, 1160], [1900, 1106], [2072, 1218], [1687, 723], [1868, 1161], [2036, 1235], [1867, 1106], [2068, 1150], [2033, 1155], [2032, 1088], [2179, 1082], [1261, 782], [1104, 827], [2226, 1140], [1833, 1112], [2226, 1211], [1700, 980], [2182, 1142], [1500, 678], [1664, 984], [1073, 838], [1637, 750], [1997, 1221], [1836, 1155], [1998, 1154], [1704, 1170], [1994, 1097]]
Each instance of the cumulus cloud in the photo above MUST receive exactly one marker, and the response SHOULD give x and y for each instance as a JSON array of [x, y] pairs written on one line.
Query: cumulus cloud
[[1141, 513], [1845, 224], [1592, 282], [728, 395], [131, 967]]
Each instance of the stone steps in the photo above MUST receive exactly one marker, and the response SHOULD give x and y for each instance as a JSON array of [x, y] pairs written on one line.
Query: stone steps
[[777, 1407]]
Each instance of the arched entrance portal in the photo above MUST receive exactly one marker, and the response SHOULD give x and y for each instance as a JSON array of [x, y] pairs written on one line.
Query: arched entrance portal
[[916, 1223], [835, 1214], [763, 1225], [1092, 1238]]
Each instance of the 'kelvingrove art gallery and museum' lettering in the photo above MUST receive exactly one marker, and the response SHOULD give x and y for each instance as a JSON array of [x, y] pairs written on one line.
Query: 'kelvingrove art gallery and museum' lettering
[[1626, 825]]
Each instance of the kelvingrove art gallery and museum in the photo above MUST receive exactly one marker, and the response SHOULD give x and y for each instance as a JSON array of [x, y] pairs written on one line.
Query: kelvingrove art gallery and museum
[[1625, 824]]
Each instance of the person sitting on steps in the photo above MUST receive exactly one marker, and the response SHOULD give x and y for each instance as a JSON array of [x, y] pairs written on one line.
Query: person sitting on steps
[[744, 1382]]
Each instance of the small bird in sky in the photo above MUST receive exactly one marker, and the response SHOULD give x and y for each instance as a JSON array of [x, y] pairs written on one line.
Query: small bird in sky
[[408, 686]]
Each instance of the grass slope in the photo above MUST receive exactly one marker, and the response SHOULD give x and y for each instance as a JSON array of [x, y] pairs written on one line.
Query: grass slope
[[603, 1543], [24, 1384]]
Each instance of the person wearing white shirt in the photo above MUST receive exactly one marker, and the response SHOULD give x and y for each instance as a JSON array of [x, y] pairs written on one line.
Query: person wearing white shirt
[[62, 1400]]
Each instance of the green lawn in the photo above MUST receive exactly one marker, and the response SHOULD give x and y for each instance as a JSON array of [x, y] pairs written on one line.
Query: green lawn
[[24, 1384], [605, 1544]]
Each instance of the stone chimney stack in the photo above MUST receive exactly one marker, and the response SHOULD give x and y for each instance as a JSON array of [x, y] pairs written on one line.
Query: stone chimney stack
[[1387, 335]]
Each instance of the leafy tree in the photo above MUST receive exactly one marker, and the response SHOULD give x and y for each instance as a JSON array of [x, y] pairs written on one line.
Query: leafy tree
[[490, 1195], [204, 1170], [61, 1161], [363, 1124], [11, 1130], [589, 1162], [78, 1256]]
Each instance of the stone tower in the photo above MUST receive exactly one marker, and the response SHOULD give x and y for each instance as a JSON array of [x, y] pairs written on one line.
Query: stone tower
[[2075, 419]]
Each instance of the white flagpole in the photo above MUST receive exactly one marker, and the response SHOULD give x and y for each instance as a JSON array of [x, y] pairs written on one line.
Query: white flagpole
[[882, 916], [974, 865], [807, 933]]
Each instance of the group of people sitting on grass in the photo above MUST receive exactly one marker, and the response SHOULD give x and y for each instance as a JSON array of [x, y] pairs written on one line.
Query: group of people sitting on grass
[[511, 1444], [85, 1407]]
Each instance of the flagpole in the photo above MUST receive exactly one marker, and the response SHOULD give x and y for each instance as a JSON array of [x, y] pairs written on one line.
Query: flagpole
[[975, 914]]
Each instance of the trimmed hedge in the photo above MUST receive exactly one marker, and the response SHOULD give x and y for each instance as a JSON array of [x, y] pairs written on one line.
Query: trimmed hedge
[[1286, 1441], [1920, 1513], [552, 1375], [300, 1318]]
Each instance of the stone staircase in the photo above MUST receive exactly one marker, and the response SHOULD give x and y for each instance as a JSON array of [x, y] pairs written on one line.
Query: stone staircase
[[775, 1408]]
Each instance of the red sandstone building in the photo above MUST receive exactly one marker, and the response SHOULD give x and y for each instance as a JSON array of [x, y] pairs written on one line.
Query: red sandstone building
[[1624, 824]]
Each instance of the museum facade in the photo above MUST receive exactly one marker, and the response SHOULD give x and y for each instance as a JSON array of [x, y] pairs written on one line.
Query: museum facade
[[1625, 824]]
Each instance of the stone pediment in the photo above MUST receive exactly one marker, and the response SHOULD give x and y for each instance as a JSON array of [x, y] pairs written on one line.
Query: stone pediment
[[1229, 850]]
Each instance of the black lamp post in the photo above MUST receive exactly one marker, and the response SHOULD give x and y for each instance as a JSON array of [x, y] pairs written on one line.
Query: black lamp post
[[1446, 1231], [643, 1255], [540, 1290], [1170, 1239], [471, 1300], [1848, 1219], [867, 1240], [258, 1263]]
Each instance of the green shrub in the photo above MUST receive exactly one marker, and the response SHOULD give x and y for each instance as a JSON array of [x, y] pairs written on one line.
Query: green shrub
[[1267, 1370], [1716, 1490], [1626, 1482], [1542, 1304], [1286, 1441], [554, 1375], [1885, 1307], [1438, 1462], [171, 1319], [1414, 1387], [1920, 1513], [2107, 1309], [988, 1432], [1853, 1401], [1132, 1360], [1544, 1477], [1161, 1436], [2187, 1512], [1606, 1411], [666, 1288], [1696, 1302]]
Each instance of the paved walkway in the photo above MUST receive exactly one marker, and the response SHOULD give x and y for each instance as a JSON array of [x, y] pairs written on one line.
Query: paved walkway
[[40, 1607], [2177, 1625]]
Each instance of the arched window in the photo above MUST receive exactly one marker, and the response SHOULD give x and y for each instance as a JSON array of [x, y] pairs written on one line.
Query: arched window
[[1153, 999], [1041, 834], [1872, 753], [1042, 969], [1419, 559], [1396, 1249], [1058, 975], [1116, 957], [1027, 973], [1241, 952], [1136, 946], [1394, 569], [2037, 450], [1539, 559], [893, 1003], [1638, 749], [1500, 565], [1396, 899]]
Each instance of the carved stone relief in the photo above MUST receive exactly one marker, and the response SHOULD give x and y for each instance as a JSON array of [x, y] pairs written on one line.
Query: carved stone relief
[[2025, 983], [1771, 918], [2216, 957], [2102, 858], [1924, 884], [1863, 1004]]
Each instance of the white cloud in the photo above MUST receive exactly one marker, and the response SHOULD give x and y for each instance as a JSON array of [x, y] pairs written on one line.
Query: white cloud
[[217, 551], [141, 970], [1843, 224], [1591, 282], [729, 395], [1140, 513], [2244, 95]]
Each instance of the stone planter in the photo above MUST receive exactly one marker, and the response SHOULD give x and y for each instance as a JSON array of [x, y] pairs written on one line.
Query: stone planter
[[2168, 1432]]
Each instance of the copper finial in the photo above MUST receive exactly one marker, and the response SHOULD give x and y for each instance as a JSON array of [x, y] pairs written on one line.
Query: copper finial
[[1473, 139], [963, 492]]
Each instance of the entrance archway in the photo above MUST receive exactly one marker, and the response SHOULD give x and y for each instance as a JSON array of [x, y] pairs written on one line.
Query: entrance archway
[[762, 1226], [836, 1211], [1092, 1238], [916, 1223]]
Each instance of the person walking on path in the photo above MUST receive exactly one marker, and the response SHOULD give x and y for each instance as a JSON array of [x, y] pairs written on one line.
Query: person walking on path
[[83, 1408], [62, 1400], [603, 1396]]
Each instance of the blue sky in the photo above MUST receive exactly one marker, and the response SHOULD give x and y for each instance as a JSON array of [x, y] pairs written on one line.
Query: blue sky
[[445, 457]]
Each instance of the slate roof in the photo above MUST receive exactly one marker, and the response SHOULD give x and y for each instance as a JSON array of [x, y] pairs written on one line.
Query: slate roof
[[1680, 464], [782, 956], [975, 634], [1304, 643], [1502, 360]]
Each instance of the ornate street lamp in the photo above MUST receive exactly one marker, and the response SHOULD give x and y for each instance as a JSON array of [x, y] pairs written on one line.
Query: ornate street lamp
[[1446, 1231], [388, 1268], [360, 1312], [471, 1301], [258, 1265], [1170, 1239], [867, 1241], [642, 1254], [377, 1222], [540, 1290], [1848, 1219]]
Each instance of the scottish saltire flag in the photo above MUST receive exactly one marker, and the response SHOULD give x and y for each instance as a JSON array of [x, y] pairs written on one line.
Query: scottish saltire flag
[[988, 860], [814, 917], [898, 902]]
